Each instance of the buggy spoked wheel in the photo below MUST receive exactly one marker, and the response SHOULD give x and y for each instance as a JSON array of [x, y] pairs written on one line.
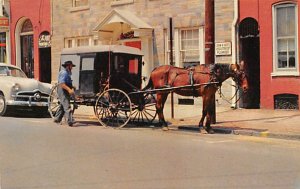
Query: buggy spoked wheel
[[145, 111], [53, 101], [113, 108]]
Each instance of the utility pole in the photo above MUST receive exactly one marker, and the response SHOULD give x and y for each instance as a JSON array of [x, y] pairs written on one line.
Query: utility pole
[[210, 40], [171, 62]]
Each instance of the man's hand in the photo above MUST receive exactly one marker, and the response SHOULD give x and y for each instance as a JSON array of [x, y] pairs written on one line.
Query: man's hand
[[71, 91]]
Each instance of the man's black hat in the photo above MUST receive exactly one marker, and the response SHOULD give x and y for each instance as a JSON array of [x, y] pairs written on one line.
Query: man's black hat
[[66, 63]]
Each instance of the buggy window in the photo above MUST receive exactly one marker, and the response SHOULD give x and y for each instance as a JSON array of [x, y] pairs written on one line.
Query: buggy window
[[87, 63]]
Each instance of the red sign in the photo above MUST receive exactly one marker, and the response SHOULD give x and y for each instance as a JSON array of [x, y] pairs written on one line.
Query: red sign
[[4, 24]]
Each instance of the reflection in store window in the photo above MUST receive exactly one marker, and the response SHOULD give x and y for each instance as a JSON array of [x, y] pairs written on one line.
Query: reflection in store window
[[3, 47]]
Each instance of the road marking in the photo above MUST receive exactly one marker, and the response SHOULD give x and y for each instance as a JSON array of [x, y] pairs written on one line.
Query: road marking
[[214, 141]]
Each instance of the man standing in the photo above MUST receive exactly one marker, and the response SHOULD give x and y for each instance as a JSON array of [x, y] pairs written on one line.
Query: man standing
[[65, 92]]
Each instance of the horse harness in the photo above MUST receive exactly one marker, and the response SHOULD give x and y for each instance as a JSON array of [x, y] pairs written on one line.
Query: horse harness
[[191, 72]]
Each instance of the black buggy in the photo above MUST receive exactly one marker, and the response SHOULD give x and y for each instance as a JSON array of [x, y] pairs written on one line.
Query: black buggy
[[109, 78]]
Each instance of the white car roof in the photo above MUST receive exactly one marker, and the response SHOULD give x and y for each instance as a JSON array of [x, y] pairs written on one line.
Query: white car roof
[[9, 65], [102, 48]]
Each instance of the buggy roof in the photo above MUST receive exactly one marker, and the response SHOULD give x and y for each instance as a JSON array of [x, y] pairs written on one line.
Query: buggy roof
[[102, 48]]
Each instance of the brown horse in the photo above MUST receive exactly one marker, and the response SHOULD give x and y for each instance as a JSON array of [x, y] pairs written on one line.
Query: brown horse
[[210, 78]]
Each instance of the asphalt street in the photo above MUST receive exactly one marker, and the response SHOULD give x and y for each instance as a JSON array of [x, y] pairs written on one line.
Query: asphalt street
[[37, 153]]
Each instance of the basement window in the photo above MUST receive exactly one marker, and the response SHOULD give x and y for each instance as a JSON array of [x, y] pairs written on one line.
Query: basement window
[[286, 101]]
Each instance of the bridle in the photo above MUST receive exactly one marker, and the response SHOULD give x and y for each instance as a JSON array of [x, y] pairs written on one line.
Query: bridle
[[237, 76]]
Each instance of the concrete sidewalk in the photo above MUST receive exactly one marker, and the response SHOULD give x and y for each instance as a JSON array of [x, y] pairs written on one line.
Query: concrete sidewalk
[[255, 122]]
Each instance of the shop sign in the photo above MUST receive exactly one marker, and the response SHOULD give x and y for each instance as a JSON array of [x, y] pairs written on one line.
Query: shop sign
[[44, 41], [223, 48], [4, 24]]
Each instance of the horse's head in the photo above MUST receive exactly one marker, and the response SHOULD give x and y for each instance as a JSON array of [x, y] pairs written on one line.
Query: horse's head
[[239, 75]]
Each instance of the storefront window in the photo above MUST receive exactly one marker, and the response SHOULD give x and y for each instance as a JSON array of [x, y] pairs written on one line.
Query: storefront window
[[3, 47]]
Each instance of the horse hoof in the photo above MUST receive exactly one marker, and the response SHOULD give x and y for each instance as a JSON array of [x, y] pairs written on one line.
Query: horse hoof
[[165, 128], [203, 131]]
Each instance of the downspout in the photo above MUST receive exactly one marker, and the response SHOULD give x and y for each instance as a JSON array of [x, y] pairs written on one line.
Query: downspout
[[234, 35]]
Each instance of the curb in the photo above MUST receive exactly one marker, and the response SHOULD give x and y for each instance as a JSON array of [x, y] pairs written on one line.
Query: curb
[[247, 132]]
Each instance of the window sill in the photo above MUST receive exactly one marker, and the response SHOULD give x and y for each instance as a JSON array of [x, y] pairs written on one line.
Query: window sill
[[285, 74], [121, 2], [81, 8]]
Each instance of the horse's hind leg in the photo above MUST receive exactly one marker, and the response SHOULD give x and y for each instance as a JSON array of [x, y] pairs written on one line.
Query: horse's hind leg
[[160, 103]]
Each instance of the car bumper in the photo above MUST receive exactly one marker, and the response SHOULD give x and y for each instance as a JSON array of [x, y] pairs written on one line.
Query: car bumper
[[26, 103]]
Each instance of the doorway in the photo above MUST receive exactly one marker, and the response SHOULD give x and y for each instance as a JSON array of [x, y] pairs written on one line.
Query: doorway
[[45, 57], [45, 64], [27, 60], [27, 49], [250, 54]]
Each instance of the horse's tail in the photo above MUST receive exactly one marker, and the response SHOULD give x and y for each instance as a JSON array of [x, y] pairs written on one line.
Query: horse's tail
[[149, 85]]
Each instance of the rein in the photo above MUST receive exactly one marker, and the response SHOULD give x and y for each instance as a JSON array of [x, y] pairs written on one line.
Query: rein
[[228, 100]]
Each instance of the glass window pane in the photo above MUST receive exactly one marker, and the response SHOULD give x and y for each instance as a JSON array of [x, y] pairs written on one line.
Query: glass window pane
[[292, 63], [291, 45], [290, 20], [87, 63], [282, 60], [282, 45]]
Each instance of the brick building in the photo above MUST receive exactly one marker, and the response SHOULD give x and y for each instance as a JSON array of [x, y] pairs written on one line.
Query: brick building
[[4, 32], [269, 43], [30, 30], [143, 24]]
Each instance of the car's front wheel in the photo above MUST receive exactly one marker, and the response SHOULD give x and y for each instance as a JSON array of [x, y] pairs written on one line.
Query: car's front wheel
[[3, 106]]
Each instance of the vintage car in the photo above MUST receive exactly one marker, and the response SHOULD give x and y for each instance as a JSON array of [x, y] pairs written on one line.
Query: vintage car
[[17, 92]]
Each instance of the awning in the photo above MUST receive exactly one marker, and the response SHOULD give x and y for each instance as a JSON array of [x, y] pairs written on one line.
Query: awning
[[116, 18]]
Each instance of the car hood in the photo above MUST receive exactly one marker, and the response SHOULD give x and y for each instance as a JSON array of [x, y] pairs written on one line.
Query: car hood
[[27, 84]]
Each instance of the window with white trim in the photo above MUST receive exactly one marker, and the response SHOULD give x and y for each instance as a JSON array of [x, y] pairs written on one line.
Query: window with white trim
[[285, 38], [79, 41], [188, 47], [80, 3], [83, 41], [168, 49]]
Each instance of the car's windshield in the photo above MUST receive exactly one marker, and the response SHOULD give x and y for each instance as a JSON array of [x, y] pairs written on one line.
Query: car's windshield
[[11, 71]]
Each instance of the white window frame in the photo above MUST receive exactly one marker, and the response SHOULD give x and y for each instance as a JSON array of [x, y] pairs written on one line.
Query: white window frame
[[177, 46], [74, 41], [284, 71]]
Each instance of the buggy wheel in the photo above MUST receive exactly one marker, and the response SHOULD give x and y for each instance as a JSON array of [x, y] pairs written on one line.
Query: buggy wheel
[[53, 101], [113, 108], [145, 111]]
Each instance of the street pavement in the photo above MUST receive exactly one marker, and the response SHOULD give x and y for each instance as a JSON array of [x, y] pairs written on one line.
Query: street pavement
[[283, 124]]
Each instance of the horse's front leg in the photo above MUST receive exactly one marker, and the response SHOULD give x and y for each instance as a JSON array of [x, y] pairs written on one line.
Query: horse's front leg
[[210, 112], [160, 102], [204, 113]]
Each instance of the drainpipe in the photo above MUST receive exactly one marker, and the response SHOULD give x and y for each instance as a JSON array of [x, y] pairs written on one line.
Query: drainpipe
[[234, 36]]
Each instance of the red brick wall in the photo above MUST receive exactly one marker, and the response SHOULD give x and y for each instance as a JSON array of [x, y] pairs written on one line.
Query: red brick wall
[[270, 86], [39, 13]]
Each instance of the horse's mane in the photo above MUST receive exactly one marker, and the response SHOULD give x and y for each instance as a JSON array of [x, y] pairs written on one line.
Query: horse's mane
[[224, 67]]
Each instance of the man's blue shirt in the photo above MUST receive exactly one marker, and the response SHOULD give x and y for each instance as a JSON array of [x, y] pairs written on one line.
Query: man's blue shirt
[[65, 77]]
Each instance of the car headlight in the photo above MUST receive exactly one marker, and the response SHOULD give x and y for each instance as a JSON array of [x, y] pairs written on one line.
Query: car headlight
[[16, 87]]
